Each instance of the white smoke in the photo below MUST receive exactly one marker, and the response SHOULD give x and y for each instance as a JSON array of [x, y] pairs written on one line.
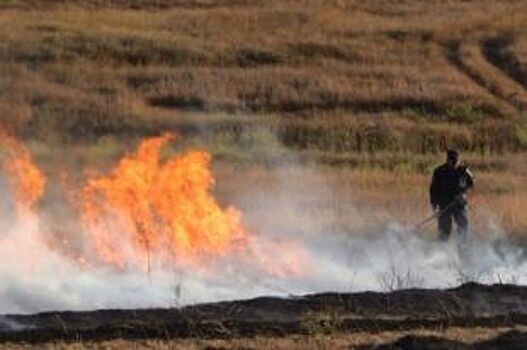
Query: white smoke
[[36, 278], [7, 324]]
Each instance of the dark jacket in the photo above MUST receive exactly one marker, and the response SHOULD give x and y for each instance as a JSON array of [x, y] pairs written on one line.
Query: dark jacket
[[448, 183]]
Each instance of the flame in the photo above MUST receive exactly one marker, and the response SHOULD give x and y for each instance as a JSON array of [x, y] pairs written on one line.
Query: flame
[[145, 209], [288, 258], [25, 178], [163, 208]]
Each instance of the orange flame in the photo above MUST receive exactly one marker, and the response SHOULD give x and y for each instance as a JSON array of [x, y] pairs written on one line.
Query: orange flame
[[161, 207], [144, 208], [25, 178]]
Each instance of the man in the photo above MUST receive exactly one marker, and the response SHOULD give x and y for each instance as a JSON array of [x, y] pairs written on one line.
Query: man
[[450, 184]]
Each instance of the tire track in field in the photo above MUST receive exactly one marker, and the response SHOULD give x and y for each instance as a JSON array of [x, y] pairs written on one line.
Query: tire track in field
[[469, 58], [496, 51]]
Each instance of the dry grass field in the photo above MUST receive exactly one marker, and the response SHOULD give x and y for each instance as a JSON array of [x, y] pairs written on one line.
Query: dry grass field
[[345, 104], [316, 341], [372, 92], [333, 76]]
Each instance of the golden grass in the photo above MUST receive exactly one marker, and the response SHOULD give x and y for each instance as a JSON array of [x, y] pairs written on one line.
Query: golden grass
[[517, 53], [373, 90], [294, 57], [360, 201], [491, 77]]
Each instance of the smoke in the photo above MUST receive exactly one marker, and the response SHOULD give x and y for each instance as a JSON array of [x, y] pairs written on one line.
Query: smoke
[[34, 278], [389, 258], [7, 324], [294, 227]]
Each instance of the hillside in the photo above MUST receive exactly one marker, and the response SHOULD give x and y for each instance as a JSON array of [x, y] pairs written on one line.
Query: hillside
[[331, 76], [383, 85], [179, 155]]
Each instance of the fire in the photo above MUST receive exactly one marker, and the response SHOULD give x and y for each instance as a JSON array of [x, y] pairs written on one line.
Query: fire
[[26, 180], [162, 208], [287, 259], [147, 210]]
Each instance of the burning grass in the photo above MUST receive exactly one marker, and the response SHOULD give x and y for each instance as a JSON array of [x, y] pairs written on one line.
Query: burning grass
[[350, 102], [144, 212], [379, 88], [165, 207]]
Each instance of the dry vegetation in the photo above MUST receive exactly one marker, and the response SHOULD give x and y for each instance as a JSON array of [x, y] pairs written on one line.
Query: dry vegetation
[[317, 341], [373, 90], [359, 201]]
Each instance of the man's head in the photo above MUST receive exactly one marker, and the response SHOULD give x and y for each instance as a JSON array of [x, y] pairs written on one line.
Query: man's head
[[452, 157]]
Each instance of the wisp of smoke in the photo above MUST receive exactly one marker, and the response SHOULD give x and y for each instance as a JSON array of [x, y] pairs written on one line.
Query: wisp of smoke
[[7, 324], [36, 276]]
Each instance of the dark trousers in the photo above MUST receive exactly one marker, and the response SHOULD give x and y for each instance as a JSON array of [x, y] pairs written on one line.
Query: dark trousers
[[459, 214]]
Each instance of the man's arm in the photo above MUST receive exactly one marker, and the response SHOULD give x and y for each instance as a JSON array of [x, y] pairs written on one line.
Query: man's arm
[[467, 184], [469, 179]]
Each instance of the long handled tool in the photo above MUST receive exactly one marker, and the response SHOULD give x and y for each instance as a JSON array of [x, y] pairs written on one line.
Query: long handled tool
[[435, 215]]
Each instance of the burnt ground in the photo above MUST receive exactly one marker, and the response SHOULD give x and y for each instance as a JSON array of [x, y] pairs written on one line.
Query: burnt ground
[[508, 340], [471, 305]]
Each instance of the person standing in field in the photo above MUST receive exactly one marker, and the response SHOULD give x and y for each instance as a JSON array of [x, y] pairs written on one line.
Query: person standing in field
[[448, 196]]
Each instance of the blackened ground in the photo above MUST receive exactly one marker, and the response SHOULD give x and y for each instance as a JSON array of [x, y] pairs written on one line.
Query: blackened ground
[[512, 340], [470, 305]]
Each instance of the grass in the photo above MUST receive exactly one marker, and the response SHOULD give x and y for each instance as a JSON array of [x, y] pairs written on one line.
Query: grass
[[518, 54], [365, 91], [321, 116], [486, 74], [297, 59], [360, 200], [314, 341]]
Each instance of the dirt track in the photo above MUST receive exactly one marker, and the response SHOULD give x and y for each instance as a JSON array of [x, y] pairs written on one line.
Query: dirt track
[[470, 305]]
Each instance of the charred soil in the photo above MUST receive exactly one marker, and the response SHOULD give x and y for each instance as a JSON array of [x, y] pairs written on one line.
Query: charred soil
[[469, 306]]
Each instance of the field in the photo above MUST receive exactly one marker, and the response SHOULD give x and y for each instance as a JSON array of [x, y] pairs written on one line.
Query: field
[[330, 114], [363, 91]]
